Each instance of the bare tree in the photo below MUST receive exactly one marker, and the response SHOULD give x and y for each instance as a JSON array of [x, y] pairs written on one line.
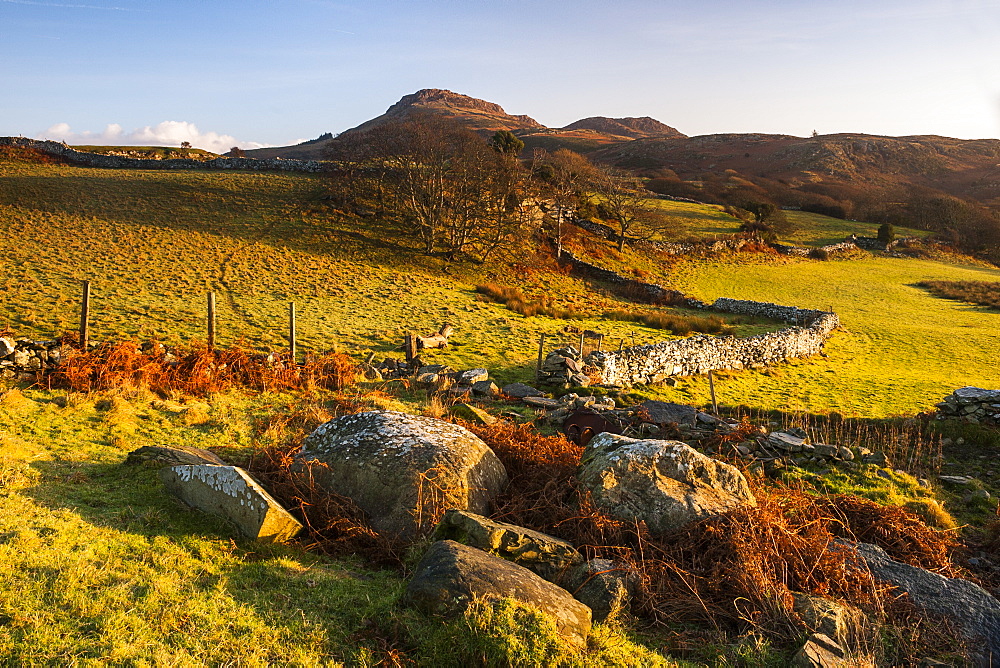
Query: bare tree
[[623, 199], [566, 176]]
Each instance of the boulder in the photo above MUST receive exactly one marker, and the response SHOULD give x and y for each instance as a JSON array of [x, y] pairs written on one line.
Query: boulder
[[399, 468], [544, 555], [451, 575], [602, 587], [664, 483], [520, 391], [844, 624], [172, 455], [820, 652], [974, 611], [230, 493], [783, 440], [485, 388], [471, 376], [664, 412]]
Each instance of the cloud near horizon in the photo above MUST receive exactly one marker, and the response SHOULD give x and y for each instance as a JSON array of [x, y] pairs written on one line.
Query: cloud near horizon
[[167, 133]]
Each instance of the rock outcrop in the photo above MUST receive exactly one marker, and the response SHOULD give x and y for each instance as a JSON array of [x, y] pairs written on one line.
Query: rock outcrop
[[451, 575], [399, 468], [666, 484]]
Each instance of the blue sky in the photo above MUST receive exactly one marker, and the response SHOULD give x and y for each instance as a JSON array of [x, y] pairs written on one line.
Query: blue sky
[[222, 72]]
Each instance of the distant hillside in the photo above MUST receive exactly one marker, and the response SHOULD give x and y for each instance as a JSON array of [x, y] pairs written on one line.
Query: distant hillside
[[965, 168], [632, 128]]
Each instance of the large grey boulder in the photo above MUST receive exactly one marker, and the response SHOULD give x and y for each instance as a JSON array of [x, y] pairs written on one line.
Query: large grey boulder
[[545, 555], [975, 612], [230, 493], [665, 412], [666, 484], [400, 468], [451, 575]]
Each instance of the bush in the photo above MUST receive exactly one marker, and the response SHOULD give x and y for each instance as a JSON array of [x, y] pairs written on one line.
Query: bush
[[819, 254], [886, 233]]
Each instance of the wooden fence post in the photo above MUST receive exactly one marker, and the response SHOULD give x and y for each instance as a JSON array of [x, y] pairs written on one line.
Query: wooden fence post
[[541, 351], [410, 346], [211, 321], [711, 388], [582, 335], [85, 317], [291, 330]]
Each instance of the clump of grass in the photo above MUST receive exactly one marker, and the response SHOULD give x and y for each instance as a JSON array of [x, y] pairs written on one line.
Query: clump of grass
[[517, 302], [680, 325], [984, 293]]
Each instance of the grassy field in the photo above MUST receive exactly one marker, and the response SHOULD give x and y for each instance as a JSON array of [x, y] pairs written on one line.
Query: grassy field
[[154, 243], [901, 350]]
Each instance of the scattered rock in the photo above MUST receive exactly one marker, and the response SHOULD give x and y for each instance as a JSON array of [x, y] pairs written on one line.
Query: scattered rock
[[161, 455], [783, 440], [230, 492], [845, 624], [820, 651], [471, 376], [388, 462], [664, 483], [450, 575], [955, 479], [520, 391], [664, 412], [541, 402], [544, 555], [602, 587], [485, 388]]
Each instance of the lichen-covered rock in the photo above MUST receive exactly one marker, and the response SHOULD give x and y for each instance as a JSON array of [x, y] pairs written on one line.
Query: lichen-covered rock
[[602, 586], [545, 555], [399, 468], [451, 575], [229, 492], [520, 391], [666, 484], [473, 414], [821, 652], [173, 455], [975, 612], [845, 624]]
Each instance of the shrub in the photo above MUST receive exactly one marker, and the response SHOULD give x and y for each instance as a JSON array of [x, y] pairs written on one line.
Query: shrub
[[886, 233], [819, 254]]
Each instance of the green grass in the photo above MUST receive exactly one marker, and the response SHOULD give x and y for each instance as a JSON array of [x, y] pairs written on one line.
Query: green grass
[[813, 229], [99, 566], [151, 152], [900, 351]]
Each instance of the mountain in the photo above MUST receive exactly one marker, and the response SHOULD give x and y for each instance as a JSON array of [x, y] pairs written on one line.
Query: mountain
[[632, 128]]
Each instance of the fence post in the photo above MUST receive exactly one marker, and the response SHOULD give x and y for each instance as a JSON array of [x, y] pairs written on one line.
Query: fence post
[[410, 346], [291, 330], [541, 351], [85, 317], [211, 321], [600, 342], [711, 388], [582, 335]]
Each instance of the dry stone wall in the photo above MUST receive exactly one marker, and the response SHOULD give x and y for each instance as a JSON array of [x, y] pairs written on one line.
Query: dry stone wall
[[120, 162]]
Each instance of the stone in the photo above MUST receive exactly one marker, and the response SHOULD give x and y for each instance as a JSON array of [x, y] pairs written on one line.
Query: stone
[[485, 388], [161, 455], [975, 612], [602, 587], [878, 459], [966, 395], [520, 391], [663, 483], [471, 376], [844, 624], [544, 555], [824, 450], [820, 651], [665, 412], [846, 454], [6, 346], [783, 440], [427, 378], [439, 369], [399, 467], [955, 479], [473, 414], [541, 402], [230, 493], [450, 575]]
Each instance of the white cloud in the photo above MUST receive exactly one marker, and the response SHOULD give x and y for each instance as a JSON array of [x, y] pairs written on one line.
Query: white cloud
[[167, 133]]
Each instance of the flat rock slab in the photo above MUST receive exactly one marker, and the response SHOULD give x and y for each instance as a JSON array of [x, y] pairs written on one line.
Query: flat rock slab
[[666, 484], [229, 492], [540, 553], [975, 612], [520, 390], [160, 455], [400, 468], [541, 402], [451, 575], [821, 651], [665, 412], [967, 395]]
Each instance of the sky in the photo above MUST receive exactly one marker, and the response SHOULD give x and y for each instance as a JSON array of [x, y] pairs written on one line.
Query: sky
[[223, 73]]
